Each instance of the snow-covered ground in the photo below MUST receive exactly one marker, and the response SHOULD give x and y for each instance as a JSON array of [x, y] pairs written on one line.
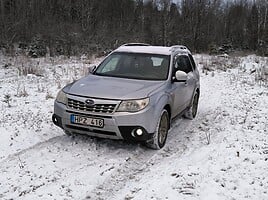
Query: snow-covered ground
[[222, 154]]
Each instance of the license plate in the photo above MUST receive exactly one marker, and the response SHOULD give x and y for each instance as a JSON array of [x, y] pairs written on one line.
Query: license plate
[[87, 121]]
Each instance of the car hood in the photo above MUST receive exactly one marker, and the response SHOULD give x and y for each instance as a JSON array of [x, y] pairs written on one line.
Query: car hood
[[112, 88]]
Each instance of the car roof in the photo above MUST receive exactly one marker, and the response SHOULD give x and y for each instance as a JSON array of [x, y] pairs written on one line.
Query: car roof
[[145, 48]]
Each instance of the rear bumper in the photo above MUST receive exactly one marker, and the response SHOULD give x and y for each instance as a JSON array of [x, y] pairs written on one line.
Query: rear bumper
[[116, 126]]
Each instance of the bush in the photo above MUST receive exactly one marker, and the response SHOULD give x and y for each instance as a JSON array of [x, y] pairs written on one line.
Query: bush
[[37, 48]]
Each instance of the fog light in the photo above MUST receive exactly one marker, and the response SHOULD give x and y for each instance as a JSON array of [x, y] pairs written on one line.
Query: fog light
[[139, 132]]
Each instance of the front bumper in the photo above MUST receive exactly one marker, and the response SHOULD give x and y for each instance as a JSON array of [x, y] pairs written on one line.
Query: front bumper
[[117, 125]]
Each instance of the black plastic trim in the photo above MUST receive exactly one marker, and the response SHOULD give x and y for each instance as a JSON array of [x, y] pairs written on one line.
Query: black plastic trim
[[91, 130], [126, 132], [57, 120]]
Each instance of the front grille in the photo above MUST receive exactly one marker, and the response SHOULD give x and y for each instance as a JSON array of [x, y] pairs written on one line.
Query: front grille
[[96, 108]]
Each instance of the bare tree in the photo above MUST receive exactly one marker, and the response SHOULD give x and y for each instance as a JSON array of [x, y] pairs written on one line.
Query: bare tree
[[72, 26]]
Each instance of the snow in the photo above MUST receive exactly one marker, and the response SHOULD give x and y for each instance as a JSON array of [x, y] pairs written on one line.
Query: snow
[[221, 154], [148, 49]]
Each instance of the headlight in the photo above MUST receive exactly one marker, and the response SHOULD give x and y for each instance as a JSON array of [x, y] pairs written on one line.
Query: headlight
[[133, 105], [61, 97]]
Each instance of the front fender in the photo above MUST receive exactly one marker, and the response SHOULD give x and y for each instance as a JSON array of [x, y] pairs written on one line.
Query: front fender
[[160, 103]]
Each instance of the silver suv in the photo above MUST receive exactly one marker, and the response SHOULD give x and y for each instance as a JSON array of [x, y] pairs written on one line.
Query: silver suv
[[133, 94]]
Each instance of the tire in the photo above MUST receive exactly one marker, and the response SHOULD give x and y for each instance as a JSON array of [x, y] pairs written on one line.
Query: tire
[[160, 136], [192, 110], [68, 133]]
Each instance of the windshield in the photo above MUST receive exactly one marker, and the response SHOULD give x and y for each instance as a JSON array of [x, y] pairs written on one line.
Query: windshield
[[135, 66]]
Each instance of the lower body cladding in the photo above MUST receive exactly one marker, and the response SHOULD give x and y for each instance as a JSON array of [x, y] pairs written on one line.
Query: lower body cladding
[[129, 126]]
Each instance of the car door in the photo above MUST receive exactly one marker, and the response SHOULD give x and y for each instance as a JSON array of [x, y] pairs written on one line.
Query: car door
[[183, 91]]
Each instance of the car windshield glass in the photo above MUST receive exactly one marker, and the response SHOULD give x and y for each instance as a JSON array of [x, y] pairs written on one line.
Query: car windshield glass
[[135, 66]]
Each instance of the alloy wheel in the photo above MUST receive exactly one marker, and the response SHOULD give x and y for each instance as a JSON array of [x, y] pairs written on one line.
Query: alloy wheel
[[163, 129]]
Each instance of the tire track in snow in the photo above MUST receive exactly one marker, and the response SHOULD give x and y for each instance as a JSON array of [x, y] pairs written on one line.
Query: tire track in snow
[[39, 169], [61, 167], [139, 163], [35, 146]]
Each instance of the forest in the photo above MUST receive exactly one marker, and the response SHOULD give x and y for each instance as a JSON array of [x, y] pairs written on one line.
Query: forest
[[73, 27]]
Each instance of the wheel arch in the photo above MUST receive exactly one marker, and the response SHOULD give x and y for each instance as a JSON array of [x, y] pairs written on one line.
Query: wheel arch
[[197, 90], [163, 102]]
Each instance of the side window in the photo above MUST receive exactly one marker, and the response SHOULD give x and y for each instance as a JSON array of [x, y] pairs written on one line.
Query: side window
[[183, 63]]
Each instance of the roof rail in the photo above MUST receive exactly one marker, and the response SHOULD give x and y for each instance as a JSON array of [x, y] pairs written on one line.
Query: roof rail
[[181, 47], [135, 44]]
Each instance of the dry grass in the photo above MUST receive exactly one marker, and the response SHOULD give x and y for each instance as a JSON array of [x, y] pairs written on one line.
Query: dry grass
[[257, 75], [7, 100], [49, 95], [218, 63], [26, 65]]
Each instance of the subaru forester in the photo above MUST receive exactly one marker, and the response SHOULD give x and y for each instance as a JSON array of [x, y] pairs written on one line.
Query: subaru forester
[[133, 94]]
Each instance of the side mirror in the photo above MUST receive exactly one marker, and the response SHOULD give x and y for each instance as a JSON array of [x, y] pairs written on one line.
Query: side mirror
[[180, 76], [91, 69]]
